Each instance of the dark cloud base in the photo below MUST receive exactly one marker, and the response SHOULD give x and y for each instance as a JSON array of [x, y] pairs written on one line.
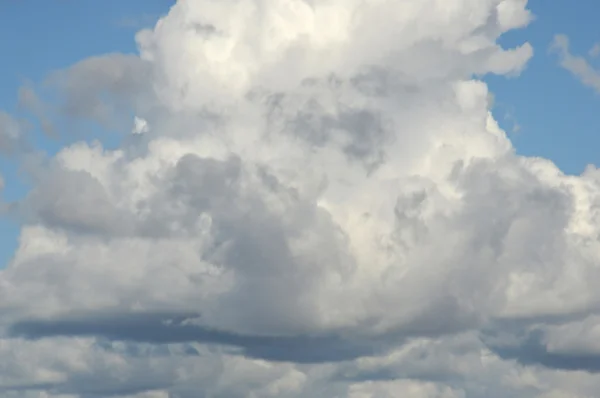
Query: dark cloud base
[[166, 328]]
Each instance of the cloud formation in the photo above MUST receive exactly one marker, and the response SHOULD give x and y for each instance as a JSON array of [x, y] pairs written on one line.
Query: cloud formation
[[11, 134], [577, 65], [320, 205]]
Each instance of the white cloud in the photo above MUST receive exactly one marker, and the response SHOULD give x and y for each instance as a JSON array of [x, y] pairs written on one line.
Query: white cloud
[[324, 206], [140, 126]]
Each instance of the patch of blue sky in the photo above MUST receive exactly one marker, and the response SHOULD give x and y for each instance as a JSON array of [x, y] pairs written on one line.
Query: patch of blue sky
[[556, 115]]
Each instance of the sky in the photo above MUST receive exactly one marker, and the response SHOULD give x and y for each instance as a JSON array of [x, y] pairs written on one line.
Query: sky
[[321, 198], [555, 112]]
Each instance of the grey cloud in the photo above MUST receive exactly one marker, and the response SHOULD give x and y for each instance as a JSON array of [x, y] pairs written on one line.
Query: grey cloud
[[104, 381], [76, 201], [12, 134], [30, 101], [104, 88], [263, 263], [157, 328], [363, 132], [577, 65], [102, 384], [529, 348]]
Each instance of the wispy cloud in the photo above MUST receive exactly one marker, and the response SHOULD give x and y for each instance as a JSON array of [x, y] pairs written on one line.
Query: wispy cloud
[[577, 65], [594, 51]]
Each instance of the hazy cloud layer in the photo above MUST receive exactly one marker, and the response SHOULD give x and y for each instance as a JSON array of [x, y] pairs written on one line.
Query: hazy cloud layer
[[315, 201]]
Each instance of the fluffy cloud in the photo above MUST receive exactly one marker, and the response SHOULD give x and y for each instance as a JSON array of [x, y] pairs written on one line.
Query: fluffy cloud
[[320, 205]]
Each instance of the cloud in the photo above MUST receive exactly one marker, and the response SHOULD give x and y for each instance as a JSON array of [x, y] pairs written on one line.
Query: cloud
[[29, 101], [595, 50], [320, 205], [12, 134], [172, 328], [140, 126], [577, 65], [104, 89]]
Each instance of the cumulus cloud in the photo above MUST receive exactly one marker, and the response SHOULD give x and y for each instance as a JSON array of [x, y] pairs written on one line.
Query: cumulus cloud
[[320, 205], [577, 65]]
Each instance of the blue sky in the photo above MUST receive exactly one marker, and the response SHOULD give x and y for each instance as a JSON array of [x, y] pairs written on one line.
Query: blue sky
[[557, 114]]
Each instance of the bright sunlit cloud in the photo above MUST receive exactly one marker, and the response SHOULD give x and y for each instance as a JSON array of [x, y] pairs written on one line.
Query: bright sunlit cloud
[[318, 203]]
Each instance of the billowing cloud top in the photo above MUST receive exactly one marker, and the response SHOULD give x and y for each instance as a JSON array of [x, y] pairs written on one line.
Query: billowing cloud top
[[320, 205]]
